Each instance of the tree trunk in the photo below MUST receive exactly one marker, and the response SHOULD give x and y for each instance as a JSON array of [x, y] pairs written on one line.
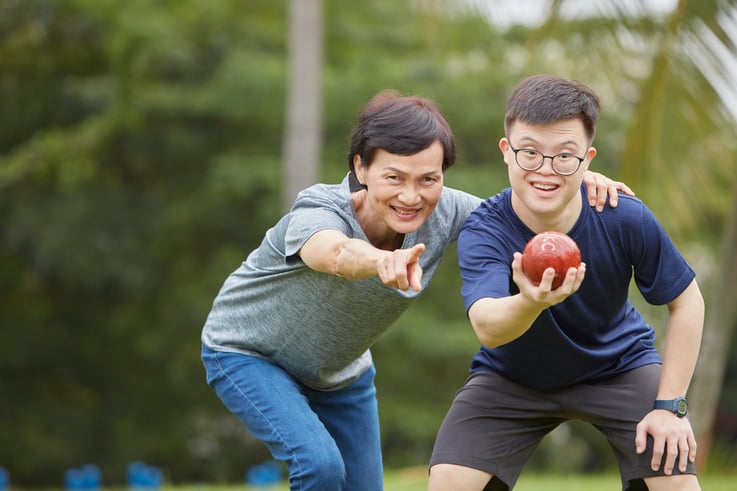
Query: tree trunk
[[707, 382], [303, 128]]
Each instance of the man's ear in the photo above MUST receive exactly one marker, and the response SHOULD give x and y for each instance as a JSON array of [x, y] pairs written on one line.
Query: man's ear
[[505, 148], [590, 154]]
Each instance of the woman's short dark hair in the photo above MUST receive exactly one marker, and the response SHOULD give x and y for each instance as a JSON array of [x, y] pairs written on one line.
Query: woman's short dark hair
[[544, 99], [400, 125]]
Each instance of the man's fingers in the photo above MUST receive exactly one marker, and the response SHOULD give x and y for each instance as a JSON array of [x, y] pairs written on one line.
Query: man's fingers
[[692, 447], [683, 456], [671, 453], [671, 442], [640, 439], [658, 447]]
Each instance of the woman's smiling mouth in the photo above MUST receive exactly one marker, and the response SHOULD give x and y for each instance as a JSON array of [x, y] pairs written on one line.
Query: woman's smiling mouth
[[405, 212]]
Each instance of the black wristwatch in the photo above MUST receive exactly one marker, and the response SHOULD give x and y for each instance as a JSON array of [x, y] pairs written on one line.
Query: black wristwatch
[[678, 406]]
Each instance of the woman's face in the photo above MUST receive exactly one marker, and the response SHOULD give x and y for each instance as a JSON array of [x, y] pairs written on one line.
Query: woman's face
[[402, 190]]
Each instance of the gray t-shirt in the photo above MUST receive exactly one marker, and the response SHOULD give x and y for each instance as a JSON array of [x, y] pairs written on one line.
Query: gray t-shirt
[[318, 326]]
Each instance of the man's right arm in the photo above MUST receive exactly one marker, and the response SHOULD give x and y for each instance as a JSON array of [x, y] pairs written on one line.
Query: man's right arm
[[497, 321]]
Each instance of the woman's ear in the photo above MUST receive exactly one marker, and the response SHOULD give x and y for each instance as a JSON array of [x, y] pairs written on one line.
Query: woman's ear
[[359, 170]]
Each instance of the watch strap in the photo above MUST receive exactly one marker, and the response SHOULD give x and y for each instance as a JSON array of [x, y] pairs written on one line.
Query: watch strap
[[678, 406]]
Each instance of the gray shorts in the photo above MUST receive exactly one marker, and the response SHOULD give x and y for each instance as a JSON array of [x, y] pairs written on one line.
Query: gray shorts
[[495, 424]]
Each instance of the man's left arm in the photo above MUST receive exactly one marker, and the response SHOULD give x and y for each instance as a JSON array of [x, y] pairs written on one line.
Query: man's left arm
[[672, 435]]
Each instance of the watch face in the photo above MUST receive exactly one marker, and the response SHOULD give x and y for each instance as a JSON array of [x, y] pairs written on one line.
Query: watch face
[[682, 407]]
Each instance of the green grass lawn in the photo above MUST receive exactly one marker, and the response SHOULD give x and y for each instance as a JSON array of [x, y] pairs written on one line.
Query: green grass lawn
[[415, 479]]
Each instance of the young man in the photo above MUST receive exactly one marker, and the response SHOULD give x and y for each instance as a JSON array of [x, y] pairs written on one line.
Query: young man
[[580, 351]]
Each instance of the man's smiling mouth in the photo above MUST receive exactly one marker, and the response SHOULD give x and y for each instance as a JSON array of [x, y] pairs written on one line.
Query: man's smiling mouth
[[544, 187]]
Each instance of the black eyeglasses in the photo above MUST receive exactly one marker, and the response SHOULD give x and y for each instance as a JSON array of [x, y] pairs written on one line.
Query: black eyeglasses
[[564, 164]]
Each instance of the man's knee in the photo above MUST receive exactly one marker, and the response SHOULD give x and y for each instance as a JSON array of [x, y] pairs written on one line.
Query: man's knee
[[680, 482], [451, 477]]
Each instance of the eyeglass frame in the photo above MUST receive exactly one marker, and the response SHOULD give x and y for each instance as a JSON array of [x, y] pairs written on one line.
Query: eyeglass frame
[[552, 160]]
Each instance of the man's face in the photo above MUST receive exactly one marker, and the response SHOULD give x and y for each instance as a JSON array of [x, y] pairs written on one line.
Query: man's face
[[544, 194]]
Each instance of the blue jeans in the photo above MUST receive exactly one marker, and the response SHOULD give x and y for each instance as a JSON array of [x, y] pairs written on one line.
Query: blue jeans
[[329, 439]]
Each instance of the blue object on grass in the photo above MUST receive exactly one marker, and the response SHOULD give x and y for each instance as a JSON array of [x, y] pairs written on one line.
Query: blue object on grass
[[4, 479], [142, 476], [85, 478], [265, 474]]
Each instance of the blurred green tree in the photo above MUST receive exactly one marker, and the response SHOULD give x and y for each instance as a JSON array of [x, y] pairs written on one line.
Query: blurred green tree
[[303, 128], [124, 201], [141, 160]]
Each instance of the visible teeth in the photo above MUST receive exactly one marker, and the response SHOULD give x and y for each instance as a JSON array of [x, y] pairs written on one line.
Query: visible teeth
[[404, 212], [545, 187]]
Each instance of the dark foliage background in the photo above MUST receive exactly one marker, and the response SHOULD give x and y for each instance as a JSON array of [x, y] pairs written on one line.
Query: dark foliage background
[[140, 151]]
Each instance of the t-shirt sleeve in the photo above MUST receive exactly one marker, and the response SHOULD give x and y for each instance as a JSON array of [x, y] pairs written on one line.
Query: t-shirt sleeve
[[464, 205], [661, 272], [311, 213], [485, 265]]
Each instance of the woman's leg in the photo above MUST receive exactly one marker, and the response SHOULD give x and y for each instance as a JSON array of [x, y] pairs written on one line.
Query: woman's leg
[[274, 408], [352, 418]]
